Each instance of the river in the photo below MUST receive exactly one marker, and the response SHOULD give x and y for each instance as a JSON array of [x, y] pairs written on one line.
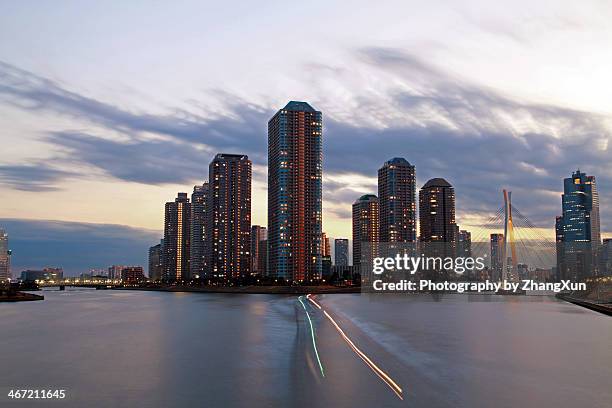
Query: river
[[154, 349]]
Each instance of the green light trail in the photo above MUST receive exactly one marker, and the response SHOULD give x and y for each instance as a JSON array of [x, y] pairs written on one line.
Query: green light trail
[[314, 343]]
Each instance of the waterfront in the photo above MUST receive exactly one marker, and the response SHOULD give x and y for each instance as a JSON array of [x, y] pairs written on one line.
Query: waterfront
[[155, 349]]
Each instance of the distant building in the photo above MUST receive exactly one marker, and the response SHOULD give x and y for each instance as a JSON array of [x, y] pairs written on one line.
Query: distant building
[[177, 224], [578, 228], [114, 271], [497, 256], [295, 171], [132, 274], [326, 247], [230, 207], [341, 251], [365, 228], [42, 274], [199, 246], [156, 267], [326, 266], [259, 250], [397, 201], [5, 256], [464, 244], [606, 257]]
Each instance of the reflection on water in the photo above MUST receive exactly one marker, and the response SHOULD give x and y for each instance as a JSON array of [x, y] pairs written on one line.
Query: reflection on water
[[124, 349]]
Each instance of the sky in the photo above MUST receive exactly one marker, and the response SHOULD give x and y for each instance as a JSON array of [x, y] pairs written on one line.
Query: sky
[[108, 109]]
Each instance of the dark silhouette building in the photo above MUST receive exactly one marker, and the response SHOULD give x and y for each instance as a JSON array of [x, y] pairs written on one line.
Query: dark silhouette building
[[295, 169], [177, 223], [230, 212], [341, 252], [156, 267]]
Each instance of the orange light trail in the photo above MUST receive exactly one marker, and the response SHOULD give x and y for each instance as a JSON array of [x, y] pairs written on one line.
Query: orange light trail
[[380, 373]]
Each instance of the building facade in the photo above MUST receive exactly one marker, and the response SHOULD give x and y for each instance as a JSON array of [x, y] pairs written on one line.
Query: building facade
[[259, 250], [341, 252], [199, 245], [230, 211], [365, 228], [177, 224], [132, 274], [397, 201], [438, 230], [295, 167]]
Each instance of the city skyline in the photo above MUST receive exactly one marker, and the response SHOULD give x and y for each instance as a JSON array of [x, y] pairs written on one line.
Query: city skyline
[[72, 124]]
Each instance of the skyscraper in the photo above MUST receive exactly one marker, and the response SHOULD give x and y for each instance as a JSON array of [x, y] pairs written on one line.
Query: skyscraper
[[177, 223], [5, 256], [437, 212], [497, 256], [365, 228], [397, 201], [577, 230], [230, 206], [199, 247], [259, 249], [156, 268], [295, 166], [341, 252]]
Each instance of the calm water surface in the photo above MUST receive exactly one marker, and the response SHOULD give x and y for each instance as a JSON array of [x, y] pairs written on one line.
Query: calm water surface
[[148, 349]]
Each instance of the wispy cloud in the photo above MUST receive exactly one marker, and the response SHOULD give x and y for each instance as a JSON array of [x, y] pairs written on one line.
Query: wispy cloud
[[33, 177]]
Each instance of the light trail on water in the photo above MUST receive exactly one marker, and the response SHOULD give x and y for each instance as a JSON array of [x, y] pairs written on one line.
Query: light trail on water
[[380, 373], [314, 343]]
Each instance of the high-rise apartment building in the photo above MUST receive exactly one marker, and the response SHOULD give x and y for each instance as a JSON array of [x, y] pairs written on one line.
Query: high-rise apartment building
[[259, 250], [341, 252], [177, 224], [230, 211], [365, 228], [5, 256], [199, 246], [397, 201], [295, 167], [437, 215]]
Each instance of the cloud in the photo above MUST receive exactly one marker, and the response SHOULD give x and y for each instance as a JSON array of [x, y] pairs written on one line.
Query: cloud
[[475, 137], [75, 246], [32, 177]]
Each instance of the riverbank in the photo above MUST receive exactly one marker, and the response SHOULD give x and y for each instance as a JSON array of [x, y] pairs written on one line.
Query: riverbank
[[21, 297], [604, 308], [268, 290]]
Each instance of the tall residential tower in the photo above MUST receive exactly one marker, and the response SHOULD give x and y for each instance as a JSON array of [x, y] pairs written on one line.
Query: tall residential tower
[[295, 167], [175, 256], [365, 228], [397, 201], [230, 212]]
